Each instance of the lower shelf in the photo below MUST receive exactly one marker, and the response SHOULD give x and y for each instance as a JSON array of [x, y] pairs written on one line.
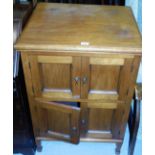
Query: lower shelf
[[85, 139]]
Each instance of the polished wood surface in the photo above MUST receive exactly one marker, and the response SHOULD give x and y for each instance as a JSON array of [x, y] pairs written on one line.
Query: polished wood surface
[[81, 27], [59, 120], [78, 91], [106, 61], [55, 76]]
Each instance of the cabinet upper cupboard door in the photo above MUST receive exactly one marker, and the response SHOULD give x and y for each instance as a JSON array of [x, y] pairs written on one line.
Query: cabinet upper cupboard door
[[55, 76], [105, 77]]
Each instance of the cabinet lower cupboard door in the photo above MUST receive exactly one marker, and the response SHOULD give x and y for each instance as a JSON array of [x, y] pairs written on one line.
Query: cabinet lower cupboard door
[[59, 120], [98, 119], [100, 123]]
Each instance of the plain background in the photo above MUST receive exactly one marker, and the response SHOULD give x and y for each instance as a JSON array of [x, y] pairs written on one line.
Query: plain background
[[6, 81]]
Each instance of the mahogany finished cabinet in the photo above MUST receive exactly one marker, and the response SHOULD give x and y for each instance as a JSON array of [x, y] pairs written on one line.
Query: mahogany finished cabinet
[[80, 64]]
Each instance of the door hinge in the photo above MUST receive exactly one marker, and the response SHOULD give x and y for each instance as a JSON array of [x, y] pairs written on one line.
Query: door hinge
[[32, 89], [29, 66]]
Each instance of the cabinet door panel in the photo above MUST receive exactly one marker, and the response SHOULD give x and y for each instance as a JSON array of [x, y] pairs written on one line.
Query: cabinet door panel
[[97, 119], [104, 78], [107, 88], [56, 76], [59, 70], [100, 119], [58, 120]]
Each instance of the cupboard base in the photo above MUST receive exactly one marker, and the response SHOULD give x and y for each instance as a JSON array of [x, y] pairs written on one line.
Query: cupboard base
[[118, 142]]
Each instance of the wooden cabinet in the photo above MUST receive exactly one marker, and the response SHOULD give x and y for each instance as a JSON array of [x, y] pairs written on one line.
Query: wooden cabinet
[[80, 77]]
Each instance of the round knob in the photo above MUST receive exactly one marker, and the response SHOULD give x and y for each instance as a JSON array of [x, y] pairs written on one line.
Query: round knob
[[74, 128], [84, 80], [83, 121]]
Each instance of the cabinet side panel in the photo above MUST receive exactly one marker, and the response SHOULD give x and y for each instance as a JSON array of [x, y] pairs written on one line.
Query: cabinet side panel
[[132, 82], [126, 89], [28, 81]]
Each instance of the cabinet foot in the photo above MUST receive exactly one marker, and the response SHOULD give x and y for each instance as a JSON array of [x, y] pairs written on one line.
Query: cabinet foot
[[117, 152], [118, 148], [39, 146]]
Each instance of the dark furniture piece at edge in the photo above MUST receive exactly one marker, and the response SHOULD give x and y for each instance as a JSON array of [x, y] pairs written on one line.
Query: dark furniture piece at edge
[[134, 118], [23, 139], [100, 2]]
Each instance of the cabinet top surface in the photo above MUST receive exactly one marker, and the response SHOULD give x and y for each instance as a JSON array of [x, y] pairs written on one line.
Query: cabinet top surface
[[54, 26]]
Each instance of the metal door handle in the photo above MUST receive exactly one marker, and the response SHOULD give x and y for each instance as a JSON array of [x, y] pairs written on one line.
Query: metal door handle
[[76, 79], [84, 80]]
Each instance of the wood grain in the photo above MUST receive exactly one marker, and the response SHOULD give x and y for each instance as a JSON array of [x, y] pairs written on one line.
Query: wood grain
[[102, 105], [59, 107], [80, 53], [55, 59], [100, 119], [84, 119], [76, 73], [35, 71], [66, 26], [133, 74], [85, 74], [83, 139], [55, 76], [61, 128], [93, 96], [106, 61], [28, 80], [104, 78], [97, 134], [57, 94]]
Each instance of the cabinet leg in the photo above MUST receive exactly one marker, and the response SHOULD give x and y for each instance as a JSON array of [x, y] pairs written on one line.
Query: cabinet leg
[[134, 126], [39, 146], [118, 148]]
